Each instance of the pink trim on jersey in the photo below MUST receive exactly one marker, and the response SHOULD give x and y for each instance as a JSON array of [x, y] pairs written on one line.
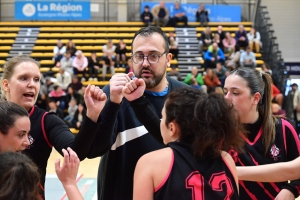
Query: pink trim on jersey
[[256, 138], [43, 129], [167, 175], [286, 123], [259, 183], [32, 111]]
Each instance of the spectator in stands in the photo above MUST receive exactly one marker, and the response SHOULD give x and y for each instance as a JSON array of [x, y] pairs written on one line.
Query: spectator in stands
[[76, 84], [59, 96], [53, 108], [213, 55], [205, 39], [202, 15], [254, 39], [174, 73], [121, 53], [94, 66], [294, 102], [241, 37], [179, 15], [48, 86], [221, 32], [228, 43], [79, 116], [147, 16], [58, 51], [129, 67], [234, 58], [248, 58], [71, 48], [218, 40], [80, 63], [195, 79], [265, 67], [160, 14], [73, 94], [173, 49], [66, 63], [220, 71], [218, 90], [63, 78], [276, 110], [277, 96], [211, 80], [71, 112], [109, 58]]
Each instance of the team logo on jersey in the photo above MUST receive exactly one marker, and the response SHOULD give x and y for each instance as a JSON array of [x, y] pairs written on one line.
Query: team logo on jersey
[[274, 152], [31, 140]]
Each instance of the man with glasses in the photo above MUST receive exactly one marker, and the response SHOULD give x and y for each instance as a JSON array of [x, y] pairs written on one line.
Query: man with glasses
[[122, 139]]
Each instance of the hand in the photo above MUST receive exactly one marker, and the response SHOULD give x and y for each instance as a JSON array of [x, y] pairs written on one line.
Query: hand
[[285, 194], [213, 59], [134, 89], [57, 103], [94, 99], [68, 171], [218, 57], [78, 124], [117, 82]]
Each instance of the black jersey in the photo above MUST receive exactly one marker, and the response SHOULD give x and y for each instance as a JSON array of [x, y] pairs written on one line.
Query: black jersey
[[193, 179], [47, 131], [122, 140], [285, 148]]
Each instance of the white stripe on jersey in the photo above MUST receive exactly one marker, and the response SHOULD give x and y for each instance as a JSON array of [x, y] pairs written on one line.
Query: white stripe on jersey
[[128, 135]]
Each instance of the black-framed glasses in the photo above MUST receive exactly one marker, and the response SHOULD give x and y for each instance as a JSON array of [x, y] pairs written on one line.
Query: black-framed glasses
[[151, 58]]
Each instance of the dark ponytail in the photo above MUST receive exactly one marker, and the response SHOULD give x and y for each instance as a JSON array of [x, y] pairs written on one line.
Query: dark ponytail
[[264, 109]]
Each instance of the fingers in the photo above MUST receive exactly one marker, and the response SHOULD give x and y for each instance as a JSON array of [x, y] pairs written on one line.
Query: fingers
[[57, 165], [96, 93], [74, 160], [131, 86], [87, 90], [66, 157]]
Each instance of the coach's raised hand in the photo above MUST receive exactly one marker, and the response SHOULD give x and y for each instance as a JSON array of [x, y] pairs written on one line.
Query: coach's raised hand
[[95, 100], [134, 89], [117, 82]]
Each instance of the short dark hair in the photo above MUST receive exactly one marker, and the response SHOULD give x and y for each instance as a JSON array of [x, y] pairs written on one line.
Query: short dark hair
[[9, 112], [147, 6], [148, 31], [19, 177], [208, 123]]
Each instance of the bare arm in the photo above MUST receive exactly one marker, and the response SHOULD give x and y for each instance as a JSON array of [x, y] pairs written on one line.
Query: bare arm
[[143, 185], [278, 172], [230, 163], [67, 174]]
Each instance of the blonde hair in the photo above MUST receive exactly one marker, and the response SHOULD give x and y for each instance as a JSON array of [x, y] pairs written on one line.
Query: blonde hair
[[9, 66]]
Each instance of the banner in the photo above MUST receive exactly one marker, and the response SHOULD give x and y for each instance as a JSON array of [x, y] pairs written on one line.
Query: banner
[[216, 13], [62, 10], [293, 68]]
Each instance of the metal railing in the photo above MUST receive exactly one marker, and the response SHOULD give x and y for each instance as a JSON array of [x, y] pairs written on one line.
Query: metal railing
[[270, 48]]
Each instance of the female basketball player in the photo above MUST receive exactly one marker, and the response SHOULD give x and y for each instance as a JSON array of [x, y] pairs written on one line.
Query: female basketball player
[[20, 84], [19, 177], [195, 127], [14, 127], [268, 140]]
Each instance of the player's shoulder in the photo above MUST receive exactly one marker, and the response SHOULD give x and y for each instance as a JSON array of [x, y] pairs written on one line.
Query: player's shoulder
[[175, 84], [156, 157]]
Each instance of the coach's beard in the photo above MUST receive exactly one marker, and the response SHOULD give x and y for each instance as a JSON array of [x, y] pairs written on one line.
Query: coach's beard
[[150, 82]]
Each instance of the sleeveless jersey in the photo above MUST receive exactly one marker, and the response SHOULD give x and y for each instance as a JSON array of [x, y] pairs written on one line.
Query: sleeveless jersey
[[192, 179], [285, 148]]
